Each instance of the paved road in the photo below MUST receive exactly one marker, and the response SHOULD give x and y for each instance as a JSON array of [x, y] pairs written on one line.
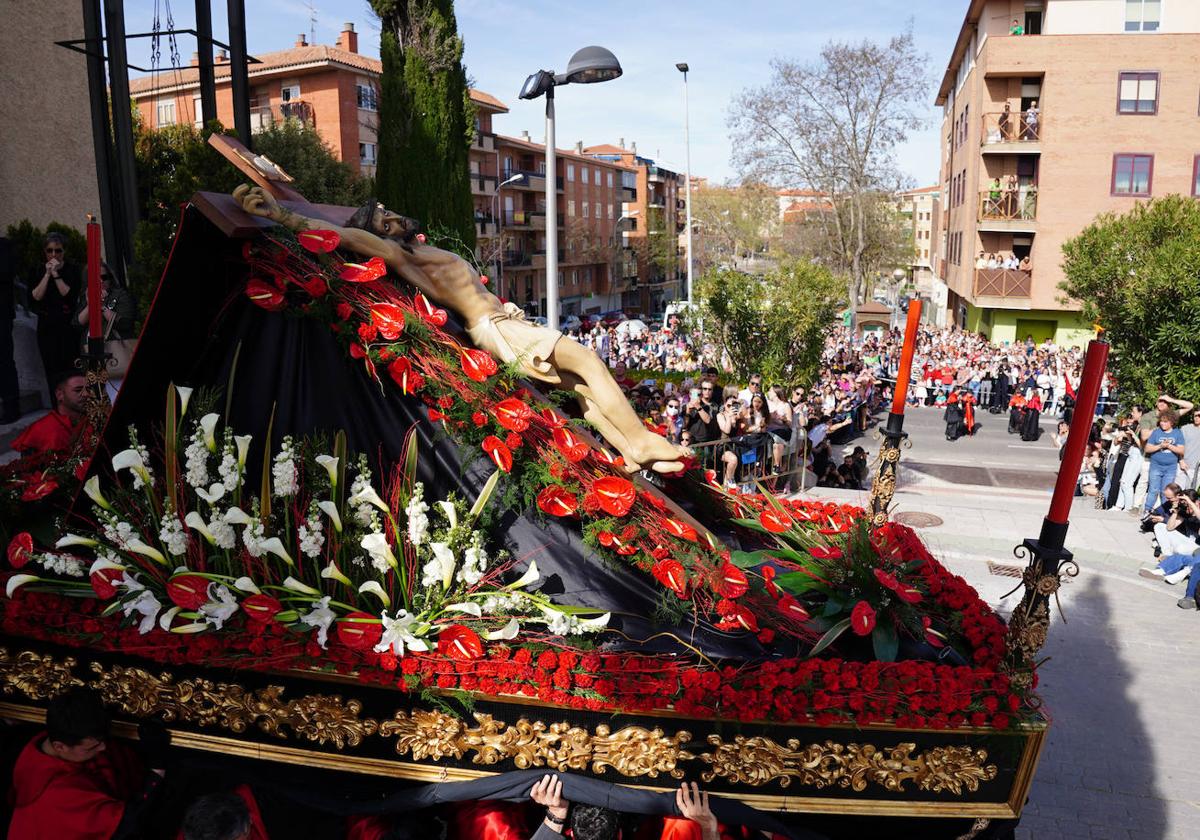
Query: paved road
[[1120, 682]]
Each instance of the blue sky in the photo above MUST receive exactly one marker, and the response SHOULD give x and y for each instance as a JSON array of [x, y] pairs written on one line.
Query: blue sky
[[727, 45]]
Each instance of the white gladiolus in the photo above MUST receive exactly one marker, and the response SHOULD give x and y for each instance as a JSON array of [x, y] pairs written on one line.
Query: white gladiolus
[[296, 586], [243, 448], [74, 539], [246, 585], [331, 466], [506, 633], [16, 582], [139, 547], [185, 396], [320, 617], [368, 496], [377, 546], [375, 589], [196, 522], [451, 513], [92, 488], [531, 576], [332, 572], [274, 546], [208, 425], [330, 510]]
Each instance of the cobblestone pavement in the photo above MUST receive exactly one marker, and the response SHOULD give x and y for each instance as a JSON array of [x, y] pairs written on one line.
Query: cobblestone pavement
[[1120, 682]]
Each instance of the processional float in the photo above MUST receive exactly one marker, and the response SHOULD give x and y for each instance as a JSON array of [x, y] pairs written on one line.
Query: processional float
[[321, 528]]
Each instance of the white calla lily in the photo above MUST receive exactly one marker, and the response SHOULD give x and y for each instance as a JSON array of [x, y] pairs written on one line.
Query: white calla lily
[[213, 494], [296, 586], [101, 565], [74, 539], [451, 513], [17, 581], [243, 448], [237, 516], [274, 546], [92, 488], [139, 547], [185, 396], [164, 620], [368, 496], [467, 607], [246, 585], [332, 572], [331, 466], [506, 633], [444, 558], [131, 459], [375, 589], [196, 522], [330, 510], [594, 624], [376, 545], [208, 425], [531, 576]]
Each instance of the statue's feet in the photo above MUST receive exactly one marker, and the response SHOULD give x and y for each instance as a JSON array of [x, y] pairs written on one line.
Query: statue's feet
[[655, 450], [667, 467]]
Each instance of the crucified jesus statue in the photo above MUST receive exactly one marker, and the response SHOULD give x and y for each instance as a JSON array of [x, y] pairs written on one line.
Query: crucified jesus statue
[[499, 328]]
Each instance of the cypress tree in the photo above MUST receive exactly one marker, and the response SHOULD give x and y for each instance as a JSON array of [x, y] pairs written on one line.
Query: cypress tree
[[425, 117]]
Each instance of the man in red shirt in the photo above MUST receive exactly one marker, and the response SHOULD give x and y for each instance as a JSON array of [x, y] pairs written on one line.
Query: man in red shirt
[[56, 432], [71, 783]]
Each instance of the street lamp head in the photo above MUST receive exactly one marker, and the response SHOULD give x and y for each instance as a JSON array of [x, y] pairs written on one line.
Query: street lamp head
[[513, 179], [537, 84], [682, 67], [899, 274], [590, 65]]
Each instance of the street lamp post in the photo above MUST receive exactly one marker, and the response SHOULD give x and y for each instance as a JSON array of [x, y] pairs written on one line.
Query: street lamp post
[[587, 66], [687, 145], [500, 232], [898, 275]]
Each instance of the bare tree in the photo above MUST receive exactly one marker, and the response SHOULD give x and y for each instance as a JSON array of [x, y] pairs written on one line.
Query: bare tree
[[833, 126], [732, 222]]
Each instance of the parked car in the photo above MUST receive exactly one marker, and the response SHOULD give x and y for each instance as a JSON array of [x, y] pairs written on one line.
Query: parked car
[[570, 322], [611, 319]]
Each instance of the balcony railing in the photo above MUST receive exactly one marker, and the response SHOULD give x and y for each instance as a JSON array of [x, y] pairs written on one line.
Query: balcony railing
[[1003, 282], [1008, 205], [532, 180], [1013, 127], [483, 185], [298, 109], [517, 259], [485, 226], [484, 142]]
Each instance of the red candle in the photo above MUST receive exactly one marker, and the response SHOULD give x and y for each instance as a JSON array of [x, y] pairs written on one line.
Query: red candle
[[906, 356], [93, 287], [1081, 426]]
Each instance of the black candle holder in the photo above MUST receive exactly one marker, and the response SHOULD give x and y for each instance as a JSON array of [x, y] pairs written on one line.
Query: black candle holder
[[883, 488], [94, 364], [1049, 563]]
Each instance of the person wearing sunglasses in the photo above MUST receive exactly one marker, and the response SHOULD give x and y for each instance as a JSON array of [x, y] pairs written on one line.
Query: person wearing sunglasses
[[54, 286]]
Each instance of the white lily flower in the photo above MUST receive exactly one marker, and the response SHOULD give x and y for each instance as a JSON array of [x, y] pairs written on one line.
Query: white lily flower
[[320, 617], [221, 607], [243, 448], [330, 510], [397, 635], [75, 539], [213, 494], [164, 620], [274, 546], [237, 516], [331, 466], [451, 513], [146, 605], [467, 607], [193, 627], [531, 576], [131, 459], [377, 546], [591, 625], [17, 581], [92, 488], [139, 547], [101, 565], [196, 522], [375, 589], [246, 585], [332, 572], [129, 583], [445, 562], [368, 496], [506, 633], [185, 396], [208, 425], [296, 586]]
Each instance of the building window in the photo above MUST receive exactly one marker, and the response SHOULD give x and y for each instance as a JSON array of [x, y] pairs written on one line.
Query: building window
[[610, 181], [1137, 93], [584, 173], [1142, 15], [598, 178], [164, 112], [198, 111], [571, 208], [366, 154], [1196, 176], [570, 172], [610, 210], [507, 167], [289, 93], [368, 99], [585, 206], [1132, 174]]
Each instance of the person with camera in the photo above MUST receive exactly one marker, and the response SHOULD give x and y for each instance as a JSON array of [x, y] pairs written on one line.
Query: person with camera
[[1177, 539], [731, 423]]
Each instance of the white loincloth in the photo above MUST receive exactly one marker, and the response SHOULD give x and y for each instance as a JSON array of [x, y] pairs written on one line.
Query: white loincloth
[[510, 338]]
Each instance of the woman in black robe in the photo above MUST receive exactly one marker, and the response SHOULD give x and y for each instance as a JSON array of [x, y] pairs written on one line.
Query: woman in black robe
[[1001, 392], [953, 417]]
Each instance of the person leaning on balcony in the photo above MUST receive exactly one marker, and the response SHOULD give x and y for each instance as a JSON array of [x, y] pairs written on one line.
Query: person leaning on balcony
[[1032, 115], [1025, 264], [993, 263], [1016, 28], [1003, 121], [982, 261], [995, 191]]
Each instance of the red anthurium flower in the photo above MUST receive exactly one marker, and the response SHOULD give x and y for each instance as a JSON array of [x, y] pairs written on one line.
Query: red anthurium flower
[[261, 608], [607, 539], [711, 477], [20, 550], [768, 575], [732, 582], [477, 364], [908, 593], [428, 311], [498, 452], [556, 501], [572, 448], [862, 618], [359, 635], [775, 521], [671, 574], [680, 529], [513, 414], [458, 642], [265, 295], [314, 284], [933, 637], [617, 495], [388, 318], [409, 380], [188, 591], [627, 550], [357, 351], [104, 582], [344, 311], [793, 609], [372, 269], [606, 457], [735, 617], [886, 578], [38, 486], [826, 552], [318, 241], [553, 419]]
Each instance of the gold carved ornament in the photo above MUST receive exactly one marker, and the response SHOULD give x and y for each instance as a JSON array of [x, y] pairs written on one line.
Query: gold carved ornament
[[1029, 625]]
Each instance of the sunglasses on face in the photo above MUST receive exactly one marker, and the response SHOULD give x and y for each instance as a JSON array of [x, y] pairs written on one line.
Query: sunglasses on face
[[54, 250]]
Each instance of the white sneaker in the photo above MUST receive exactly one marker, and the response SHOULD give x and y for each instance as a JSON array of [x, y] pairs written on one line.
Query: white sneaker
[[1179, 576], [1152, 573]]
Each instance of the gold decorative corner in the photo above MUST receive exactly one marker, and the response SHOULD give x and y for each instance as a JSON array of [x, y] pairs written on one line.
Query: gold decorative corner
[[38, 676]]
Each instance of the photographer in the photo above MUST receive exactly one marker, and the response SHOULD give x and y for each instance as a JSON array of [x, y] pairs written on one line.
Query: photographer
[[729, 421], [1176, 524], [701, 417]]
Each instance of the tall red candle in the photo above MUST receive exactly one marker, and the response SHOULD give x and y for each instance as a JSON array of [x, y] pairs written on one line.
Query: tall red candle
[[1081, 426], [906, 356], [93, 287]]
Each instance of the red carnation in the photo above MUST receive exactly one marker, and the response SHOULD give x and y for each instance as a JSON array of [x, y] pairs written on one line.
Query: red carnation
[[498, 452], [344, 310], [459, 642], [775, 521], [513, 440], [479, 418], [617, 495], [556, 501], [862, 618], [477, 364], [20, 550]]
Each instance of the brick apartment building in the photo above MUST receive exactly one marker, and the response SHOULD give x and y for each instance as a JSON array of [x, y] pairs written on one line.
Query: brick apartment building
[[333, 88], [1113, 87]]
